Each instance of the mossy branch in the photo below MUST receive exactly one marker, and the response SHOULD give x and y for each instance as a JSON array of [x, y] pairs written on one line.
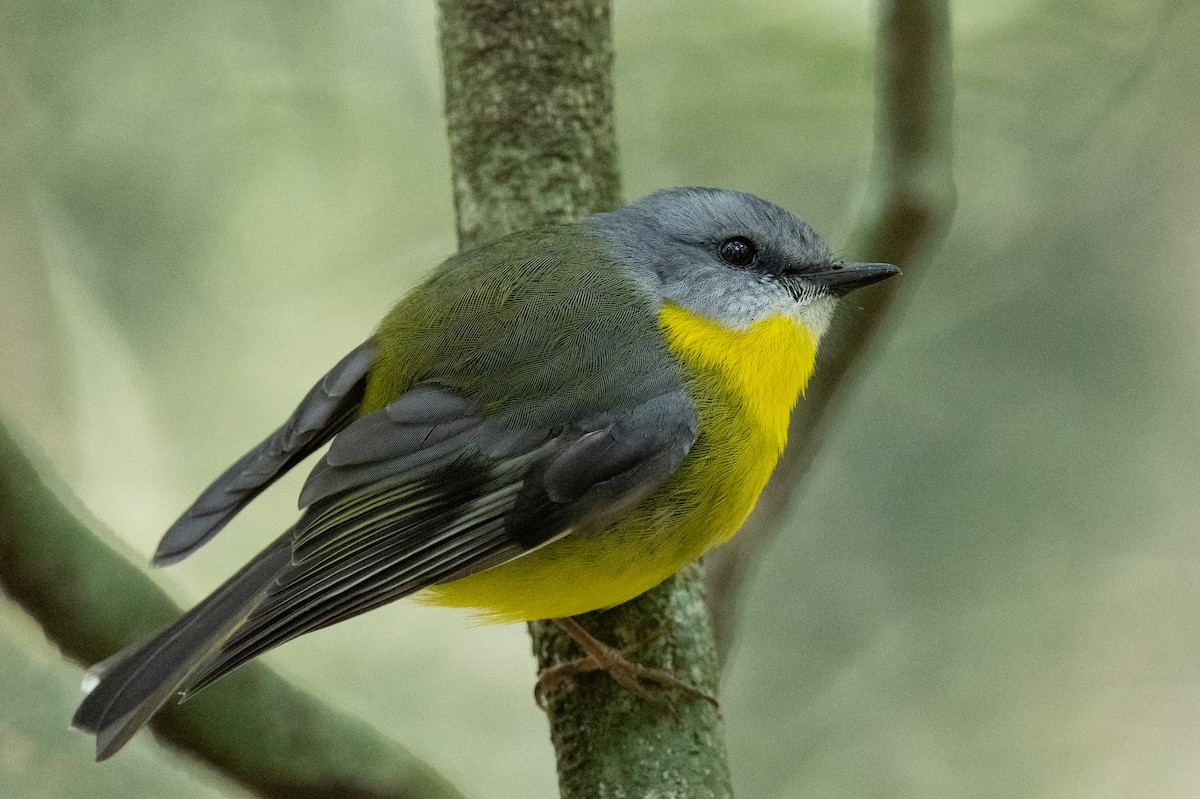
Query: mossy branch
[[253, 728], [910, 202], [529, 111]]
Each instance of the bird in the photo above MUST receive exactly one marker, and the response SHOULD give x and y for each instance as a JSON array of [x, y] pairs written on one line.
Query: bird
[[549, 424]]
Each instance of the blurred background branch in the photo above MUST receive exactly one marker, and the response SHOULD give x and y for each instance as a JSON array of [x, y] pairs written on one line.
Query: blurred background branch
[[256, 730], [909, 204]]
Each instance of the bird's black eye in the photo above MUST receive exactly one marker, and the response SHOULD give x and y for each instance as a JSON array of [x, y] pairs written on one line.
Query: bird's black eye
[[738, 251]]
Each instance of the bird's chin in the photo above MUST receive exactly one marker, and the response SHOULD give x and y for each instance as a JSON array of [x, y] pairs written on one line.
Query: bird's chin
[[815, 313]]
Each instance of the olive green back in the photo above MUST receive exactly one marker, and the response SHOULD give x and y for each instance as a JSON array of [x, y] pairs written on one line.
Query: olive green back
[[537, 341]]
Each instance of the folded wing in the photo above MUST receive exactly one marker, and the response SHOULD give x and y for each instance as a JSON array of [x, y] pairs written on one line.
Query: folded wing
[[422, 491], [427, 490], [327, 408]]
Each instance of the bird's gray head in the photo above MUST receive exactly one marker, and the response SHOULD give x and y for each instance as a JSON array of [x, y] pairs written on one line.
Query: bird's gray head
[[731, 257]]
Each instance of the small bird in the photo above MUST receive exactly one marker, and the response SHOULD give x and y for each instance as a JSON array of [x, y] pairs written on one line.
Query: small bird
[[550, 424]]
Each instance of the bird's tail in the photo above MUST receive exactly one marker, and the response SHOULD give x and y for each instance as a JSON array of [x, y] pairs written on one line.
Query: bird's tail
[[135, 683]]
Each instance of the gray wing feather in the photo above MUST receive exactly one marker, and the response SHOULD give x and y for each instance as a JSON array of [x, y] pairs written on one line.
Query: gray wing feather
[[642, 445], [444, 513], [421, 417], [327, 408], [458, 498], [425, 429], [144, 678]]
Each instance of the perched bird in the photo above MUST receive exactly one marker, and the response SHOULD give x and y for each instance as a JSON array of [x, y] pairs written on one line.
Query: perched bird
[[551, 423]]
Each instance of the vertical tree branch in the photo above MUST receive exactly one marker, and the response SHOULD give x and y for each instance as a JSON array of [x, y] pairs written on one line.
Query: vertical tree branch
[[253, 728], [529, 111], [910, 202]]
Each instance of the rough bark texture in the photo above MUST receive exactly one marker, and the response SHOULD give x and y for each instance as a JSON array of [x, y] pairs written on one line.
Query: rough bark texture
[[254, 728], [613, 744], [909, 206], [529, 110], [529, 113]]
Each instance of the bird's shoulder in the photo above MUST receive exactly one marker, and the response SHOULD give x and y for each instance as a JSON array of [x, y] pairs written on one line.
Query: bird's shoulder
[[544, 324]]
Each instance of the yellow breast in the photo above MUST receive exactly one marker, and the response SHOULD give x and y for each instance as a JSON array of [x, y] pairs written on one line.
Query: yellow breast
[[754, 375], [744, 384]]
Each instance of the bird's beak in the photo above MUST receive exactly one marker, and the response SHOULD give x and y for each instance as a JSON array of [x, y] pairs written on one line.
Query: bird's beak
[[841, 279]]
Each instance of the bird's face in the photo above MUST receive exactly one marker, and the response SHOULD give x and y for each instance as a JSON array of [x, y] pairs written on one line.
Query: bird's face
[[732, 257]]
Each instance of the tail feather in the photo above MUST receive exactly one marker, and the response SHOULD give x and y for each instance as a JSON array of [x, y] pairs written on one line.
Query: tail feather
[[137, 684]]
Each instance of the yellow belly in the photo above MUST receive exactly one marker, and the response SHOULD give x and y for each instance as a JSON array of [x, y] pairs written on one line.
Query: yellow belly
[[745, 383]]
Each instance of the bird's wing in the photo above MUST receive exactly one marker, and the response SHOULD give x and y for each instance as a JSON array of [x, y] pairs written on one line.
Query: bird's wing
[[428, 489], [327, 408]]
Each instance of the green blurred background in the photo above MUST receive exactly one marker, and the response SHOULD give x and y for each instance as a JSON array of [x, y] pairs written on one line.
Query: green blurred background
[[992, 585]]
